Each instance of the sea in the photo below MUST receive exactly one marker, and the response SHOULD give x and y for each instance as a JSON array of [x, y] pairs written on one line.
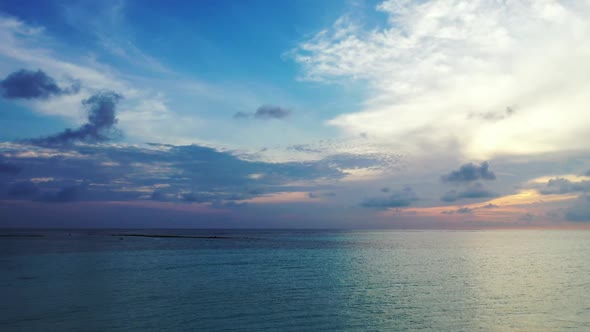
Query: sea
[[294, 280]]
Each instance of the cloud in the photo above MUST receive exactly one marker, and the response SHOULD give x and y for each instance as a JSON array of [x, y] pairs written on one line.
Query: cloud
[[476, 190], [23, 189], [470, 172], [27, 84], [63, 195], [564, 186], [6, 168], [367, 160], [303, 148], [432, 63], [157, 172], [271, 112], [159, 195], [265, 112], [107, 24], [398, 199], [493, 116], [101, 120], [242, 115], [154, 105], [463, 210], [580, 212], [322, 194], [198, 197]]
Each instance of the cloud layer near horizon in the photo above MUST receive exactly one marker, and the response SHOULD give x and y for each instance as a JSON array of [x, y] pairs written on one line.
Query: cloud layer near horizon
[[160, 172]]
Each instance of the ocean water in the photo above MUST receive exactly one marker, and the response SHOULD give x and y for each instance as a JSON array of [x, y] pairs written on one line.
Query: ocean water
[[296, 281]]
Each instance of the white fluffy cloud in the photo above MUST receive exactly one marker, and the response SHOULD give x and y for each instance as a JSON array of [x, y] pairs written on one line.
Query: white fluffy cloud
[[449, 70]]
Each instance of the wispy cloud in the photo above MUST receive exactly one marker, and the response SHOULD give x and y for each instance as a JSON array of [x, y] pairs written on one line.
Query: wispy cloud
[[493, 116], [107, 23], [436, 62], [265, 112]]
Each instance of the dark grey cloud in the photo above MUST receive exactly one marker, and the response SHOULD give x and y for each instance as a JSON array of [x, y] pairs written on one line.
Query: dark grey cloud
[[587, 173], [324, 194], [6, 168], [303, 148], [160, 195], [175, 173], [271, 112], [462, 210], [450, 196], [398, 199], [469, 173], [101, 109], [490, 206], [493, 116], [219, 198], [28, 84], [63, 195], [191, 174], [265, 112], [476, 190], [580, 212], [216, 197], [242, 115], [23, 189], [195, 197], [564, 186]]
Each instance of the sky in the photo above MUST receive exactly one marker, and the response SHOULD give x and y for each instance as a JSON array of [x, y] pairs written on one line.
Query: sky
[[442, 114]]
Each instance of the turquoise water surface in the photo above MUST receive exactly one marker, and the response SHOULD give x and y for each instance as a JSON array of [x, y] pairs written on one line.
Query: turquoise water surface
[[296, 281]]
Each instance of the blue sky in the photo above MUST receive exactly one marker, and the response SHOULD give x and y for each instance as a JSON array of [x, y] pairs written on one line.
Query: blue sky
[[343, 114], [228, 53]]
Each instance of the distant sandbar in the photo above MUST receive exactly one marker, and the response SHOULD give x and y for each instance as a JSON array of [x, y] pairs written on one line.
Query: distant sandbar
[[175, 236]]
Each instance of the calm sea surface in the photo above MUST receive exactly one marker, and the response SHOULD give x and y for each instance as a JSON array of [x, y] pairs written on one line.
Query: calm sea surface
[[296, 281]]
